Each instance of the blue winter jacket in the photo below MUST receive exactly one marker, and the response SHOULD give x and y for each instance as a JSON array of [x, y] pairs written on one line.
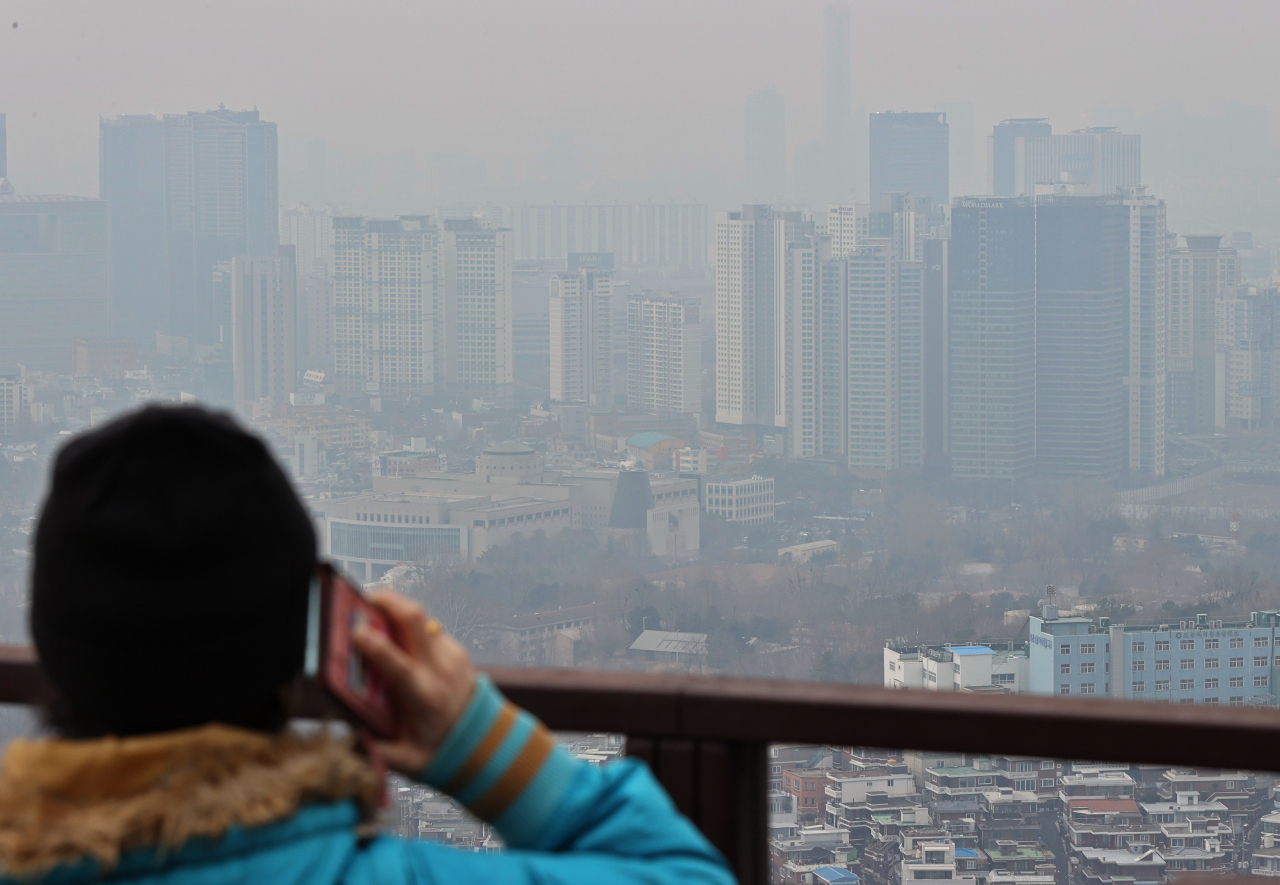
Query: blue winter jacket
[[564, 821]]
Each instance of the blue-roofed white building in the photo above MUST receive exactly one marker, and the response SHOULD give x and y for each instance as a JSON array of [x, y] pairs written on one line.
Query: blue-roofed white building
[[995, 667]]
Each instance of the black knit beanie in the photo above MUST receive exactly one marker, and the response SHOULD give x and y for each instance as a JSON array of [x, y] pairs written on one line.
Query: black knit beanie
[[172, 561]]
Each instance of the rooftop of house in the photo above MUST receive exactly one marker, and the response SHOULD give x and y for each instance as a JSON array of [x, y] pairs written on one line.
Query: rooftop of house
[[1002, 850], [674, 643], [1099, 805]]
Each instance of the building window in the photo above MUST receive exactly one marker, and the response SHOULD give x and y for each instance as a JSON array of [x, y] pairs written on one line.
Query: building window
[[1087, 648], [1139, 647], [1212, 702], [1064, 669], [1064, 688], [1186, 645], [1260, 681], [1263, 661], [1086, 688], [1162, 665], [1139, 687], [1162, 645], [1162, 685], [1235, 682], [1046, 783], [1187, 664], [1087, 667], [1211, 684], [1186, 700], [1237, 700], [1261, 642], [1237, 642], [1211, 663], [1047, 763], [1064, 649], [1186, 684], [1139, 666], [1210, 644], [1235, 663]]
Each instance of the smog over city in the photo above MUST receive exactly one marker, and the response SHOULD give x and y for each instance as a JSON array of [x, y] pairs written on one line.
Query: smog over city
[[915, 345]]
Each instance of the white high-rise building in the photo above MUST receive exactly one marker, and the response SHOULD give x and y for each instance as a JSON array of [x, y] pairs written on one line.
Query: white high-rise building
[[750, 248], [475, 350], [263, 330], [582, 337], [846, 224], [1199, 275], [798, 347], [1148, 319], [664, 354], [387, 293]]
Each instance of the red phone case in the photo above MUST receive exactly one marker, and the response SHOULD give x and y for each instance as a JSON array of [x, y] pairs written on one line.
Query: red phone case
[[343, 672]]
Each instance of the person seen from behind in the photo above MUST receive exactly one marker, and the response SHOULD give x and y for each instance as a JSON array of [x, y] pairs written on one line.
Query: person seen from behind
[[169, 607]]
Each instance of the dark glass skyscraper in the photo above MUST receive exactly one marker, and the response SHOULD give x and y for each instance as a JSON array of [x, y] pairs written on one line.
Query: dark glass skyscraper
[[910, 155], [186, 191], [1003, 176]]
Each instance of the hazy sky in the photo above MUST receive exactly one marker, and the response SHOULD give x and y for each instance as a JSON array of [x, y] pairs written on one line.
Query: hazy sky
[[652, 88]]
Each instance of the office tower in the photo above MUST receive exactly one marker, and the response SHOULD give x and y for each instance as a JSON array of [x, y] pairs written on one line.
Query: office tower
[[186, 191], [582, 337], [653, 234], [1006, 156], [315, 323], [905, 221], [664, 355], [1082, 314], [310, 231], [1147, 383], [991, 360], [843, 156], [475, 351], [847, 225], [264, 321], [910, 155], [387, 292], [55, 282], [1246, 365], [798, 349], [1025, 153], [748, 247], [1199, 274], [765, 146]]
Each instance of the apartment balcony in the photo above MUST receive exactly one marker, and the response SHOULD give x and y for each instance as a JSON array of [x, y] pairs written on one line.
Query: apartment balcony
[[707, 737]]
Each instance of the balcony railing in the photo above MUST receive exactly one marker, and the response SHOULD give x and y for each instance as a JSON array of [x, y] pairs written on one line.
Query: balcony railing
[[707, 737]]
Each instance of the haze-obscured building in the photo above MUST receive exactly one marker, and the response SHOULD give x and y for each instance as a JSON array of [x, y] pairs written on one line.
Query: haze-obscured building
[[664, 354], [910, 154], [264, 330], [1199, 274]]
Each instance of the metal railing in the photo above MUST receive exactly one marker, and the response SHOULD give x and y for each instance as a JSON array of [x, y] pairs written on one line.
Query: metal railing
[[707, 737]]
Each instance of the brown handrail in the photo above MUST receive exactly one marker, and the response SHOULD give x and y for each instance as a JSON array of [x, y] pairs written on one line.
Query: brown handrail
[[729, 708], [706, 736]]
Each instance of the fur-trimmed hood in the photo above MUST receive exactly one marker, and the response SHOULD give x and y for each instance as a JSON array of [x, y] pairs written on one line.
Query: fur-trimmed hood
[[63, 801]]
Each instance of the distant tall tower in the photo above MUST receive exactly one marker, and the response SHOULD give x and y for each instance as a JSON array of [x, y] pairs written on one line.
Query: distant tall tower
[[475, 350], [264, 329], [843, 154], [966, 178], [186, 191], [765, 146], [910, 154], [1148, 286], [1199, 274], [1004, 151]]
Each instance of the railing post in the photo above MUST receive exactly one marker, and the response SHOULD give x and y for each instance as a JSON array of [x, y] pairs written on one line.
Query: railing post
[[721, 786]]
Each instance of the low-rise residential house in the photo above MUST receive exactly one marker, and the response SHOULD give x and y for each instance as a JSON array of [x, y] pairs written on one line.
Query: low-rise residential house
[[1032, 773], [1008, 815], [1234, 789], [1094, 783], [1092, 822], [1138, 864], [809, 788], [1266, 859], [1021, 857], [930, 858], [960, 781]]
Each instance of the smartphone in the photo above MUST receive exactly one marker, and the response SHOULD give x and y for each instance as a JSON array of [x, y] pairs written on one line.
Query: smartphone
[[335, 610]]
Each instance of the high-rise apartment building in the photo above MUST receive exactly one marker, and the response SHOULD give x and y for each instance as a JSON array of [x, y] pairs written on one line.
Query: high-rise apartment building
[[1147, 375], [1199, 274], [991, 360], [13, 396], [847, 226], [664, 354], [654, 234], [1247, 372], [310, 232], [798, 350], [765, 146], [186, 192], [910, 155], [315, 323], [264, 329], [388, 288], [55, 282], [582, 337], [1005, 156], [749, 246], [1026, 153], [475, 350]]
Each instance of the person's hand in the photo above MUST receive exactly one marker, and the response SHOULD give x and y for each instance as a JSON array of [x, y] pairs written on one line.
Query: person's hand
[[429, 676]]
